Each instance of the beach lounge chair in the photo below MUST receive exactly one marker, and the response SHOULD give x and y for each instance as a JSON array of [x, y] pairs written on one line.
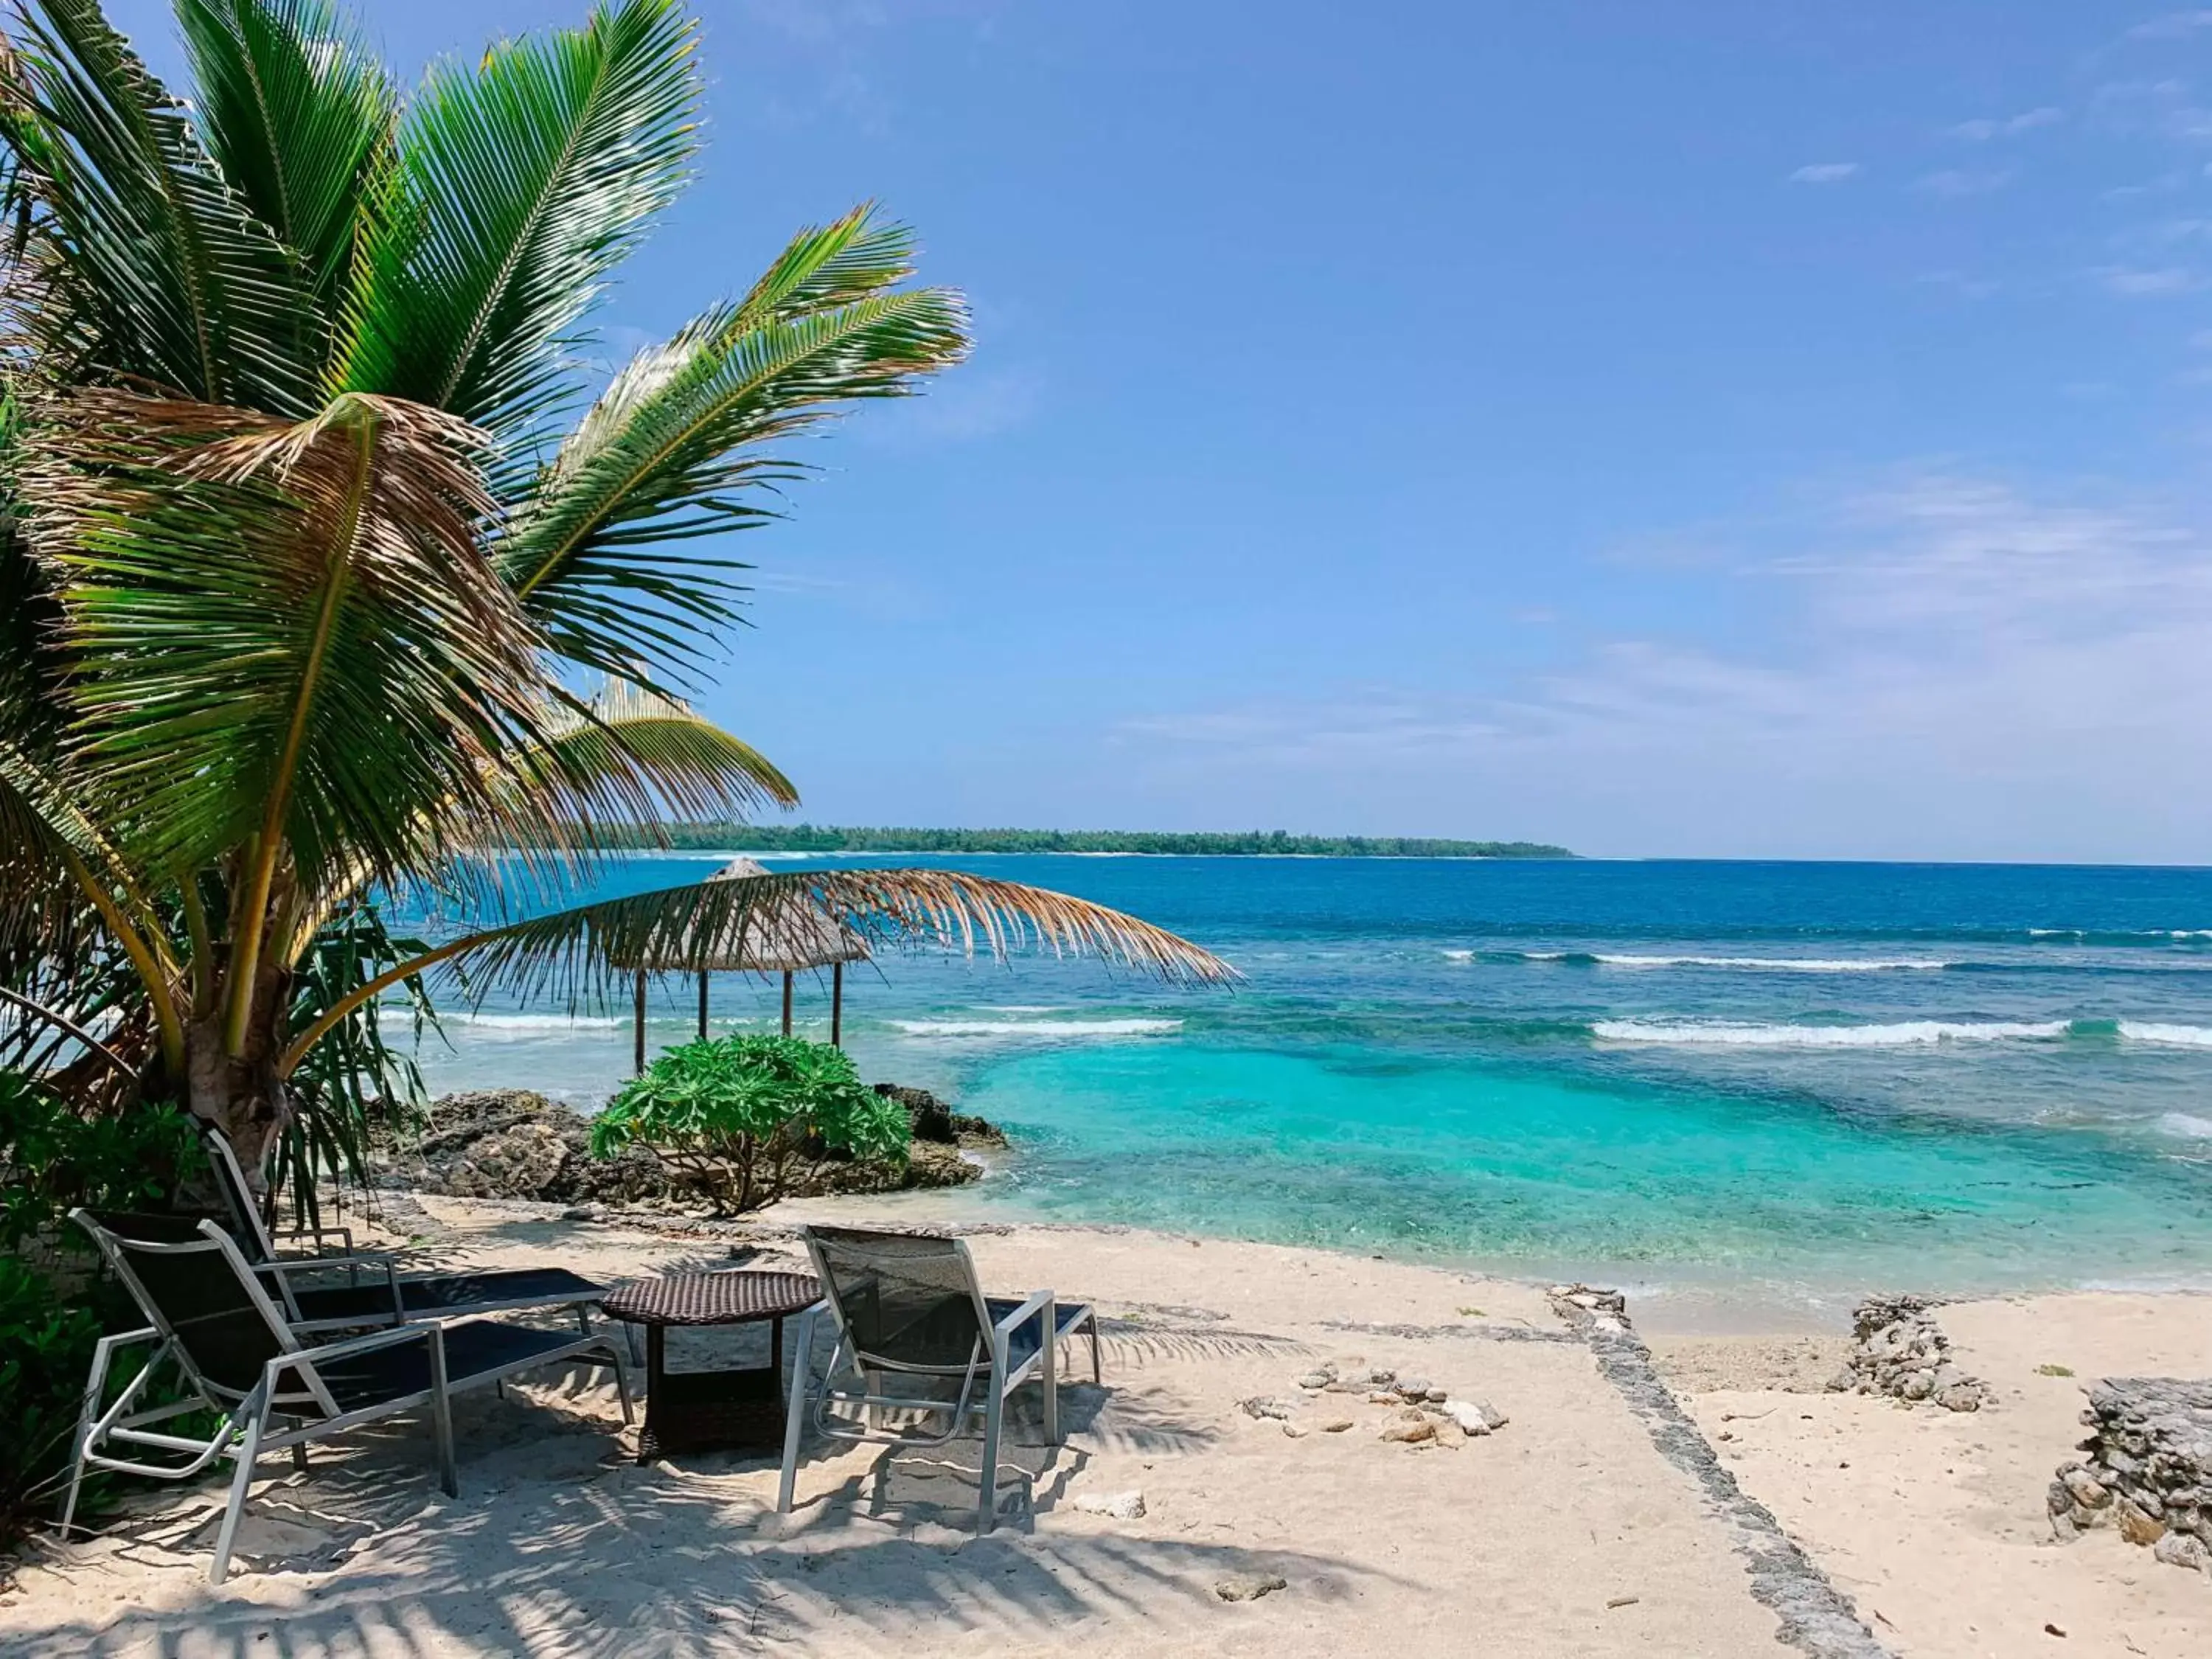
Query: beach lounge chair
[[237, 1355], [916, 1335], [388, 1297]]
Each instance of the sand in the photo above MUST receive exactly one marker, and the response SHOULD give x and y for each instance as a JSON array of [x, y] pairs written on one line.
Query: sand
[[1932, 1522], [1571, 1531]]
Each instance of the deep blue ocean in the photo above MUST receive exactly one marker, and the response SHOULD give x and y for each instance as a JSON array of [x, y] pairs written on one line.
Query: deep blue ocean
[[1801, 1079]]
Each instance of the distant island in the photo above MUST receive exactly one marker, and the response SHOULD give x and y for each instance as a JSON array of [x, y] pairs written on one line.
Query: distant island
[[1252, 843]]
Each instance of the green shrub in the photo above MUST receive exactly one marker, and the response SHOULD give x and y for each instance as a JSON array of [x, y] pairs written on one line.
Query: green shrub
[[51, 1159], [731, 1113], [46, 1354], [53, 1307]]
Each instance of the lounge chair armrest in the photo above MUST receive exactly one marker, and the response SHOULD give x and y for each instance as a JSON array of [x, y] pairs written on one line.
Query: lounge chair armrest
[[324, 1263], [1038, 1301], [354, 1345]]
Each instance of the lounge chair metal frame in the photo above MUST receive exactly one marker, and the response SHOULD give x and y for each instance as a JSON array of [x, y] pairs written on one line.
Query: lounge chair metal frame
[[578, 1293], [293, 1385], [1012, 1343]]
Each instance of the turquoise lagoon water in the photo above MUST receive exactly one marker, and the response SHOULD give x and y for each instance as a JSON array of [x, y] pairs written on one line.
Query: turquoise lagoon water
[[1800, 1080]]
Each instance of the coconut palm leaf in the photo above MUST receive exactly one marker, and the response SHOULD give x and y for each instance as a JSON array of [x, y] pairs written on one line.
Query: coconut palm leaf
[[670, 449], [521, 183], [66, 891], [631, 759], [153, 269], [599, 774], [298, 114], [279, 635], [571, 954]]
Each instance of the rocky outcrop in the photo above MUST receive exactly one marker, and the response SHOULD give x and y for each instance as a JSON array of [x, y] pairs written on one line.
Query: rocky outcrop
[[1898, 1350], [2148, 1472], [512, 1143], [937, 1124]]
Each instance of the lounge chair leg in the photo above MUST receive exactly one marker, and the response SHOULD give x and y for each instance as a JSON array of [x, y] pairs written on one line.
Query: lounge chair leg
[[1097, 1375], [442, 1416], [794, 1411], [95, 1386], [1049, 1375], [986, 1502], [219, 1569]]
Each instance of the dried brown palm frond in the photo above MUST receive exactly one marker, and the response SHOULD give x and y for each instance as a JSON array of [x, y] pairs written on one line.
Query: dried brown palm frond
[[571, 954]]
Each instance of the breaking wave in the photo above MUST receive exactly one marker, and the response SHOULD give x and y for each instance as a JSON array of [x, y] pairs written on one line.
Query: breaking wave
[[1902, 1034], [1038, 1028], [1743, 965], [2180, 1036]]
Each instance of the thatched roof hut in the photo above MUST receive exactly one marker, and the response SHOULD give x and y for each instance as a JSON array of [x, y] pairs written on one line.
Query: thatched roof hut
[[789, 934]]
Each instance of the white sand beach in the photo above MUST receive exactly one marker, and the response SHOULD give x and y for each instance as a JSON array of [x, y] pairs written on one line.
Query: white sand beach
[[1590, 1524]]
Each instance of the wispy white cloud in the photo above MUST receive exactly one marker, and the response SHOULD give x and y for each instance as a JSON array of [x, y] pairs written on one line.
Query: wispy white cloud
[[2171, 27], [1981, 131], [1947, 666], [1825, 172], [2147, 283]]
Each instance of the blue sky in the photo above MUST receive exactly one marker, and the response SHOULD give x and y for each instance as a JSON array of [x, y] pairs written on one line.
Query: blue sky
[[1744, 429]]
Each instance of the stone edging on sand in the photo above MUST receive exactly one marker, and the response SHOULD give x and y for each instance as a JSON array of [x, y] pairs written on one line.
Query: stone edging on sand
[[1465, 1333], [1815, 1616]]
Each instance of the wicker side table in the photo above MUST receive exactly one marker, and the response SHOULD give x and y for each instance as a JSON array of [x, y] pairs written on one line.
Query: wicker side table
[[739, 1408]]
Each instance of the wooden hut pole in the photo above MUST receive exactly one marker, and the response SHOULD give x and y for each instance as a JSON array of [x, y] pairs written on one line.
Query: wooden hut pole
[[703, 1005], [787, 1002], [640, 1021], [837, 1005]]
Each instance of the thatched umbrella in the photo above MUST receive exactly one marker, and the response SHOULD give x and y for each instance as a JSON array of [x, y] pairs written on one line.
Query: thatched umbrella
[[788, 934]]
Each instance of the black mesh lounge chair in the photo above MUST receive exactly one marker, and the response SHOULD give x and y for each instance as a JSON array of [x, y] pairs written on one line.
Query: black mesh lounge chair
[[237, 1355], [388, 1297], [917, 1336]]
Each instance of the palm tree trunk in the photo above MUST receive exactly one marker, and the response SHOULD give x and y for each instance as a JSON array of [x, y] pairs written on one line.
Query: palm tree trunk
[[242, 1094]]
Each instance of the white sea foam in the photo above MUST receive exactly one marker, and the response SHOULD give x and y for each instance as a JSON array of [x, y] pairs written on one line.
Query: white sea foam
[[1022, 1007], [1459, 955], [2183, 1036], [526, 1028], [1903, 1034], [2186, 1125], [525, 1024], [1046, 1027], [1739, 964], [1780, 964]]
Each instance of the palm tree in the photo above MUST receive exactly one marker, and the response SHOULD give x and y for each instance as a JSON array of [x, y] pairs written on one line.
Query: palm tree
[[311, 540]]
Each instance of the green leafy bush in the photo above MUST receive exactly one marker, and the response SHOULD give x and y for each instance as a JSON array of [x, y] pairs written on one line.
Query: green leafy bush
[[53, 1306], [46, 1354], [52, 1160], [733, 1114]]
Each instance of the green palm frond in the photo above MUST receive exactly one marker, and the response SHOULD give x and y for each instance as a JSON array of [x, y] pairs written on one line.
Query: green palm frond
[[298, 114], [278, 634], [672, 450], [151, 268], [633, 759], [599, 774], [520, 184], [573, 953]]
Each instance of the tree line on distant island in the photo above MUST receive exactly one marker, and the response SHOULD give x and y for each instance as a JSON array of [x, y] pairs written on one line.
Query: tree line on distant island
[[813, 838]]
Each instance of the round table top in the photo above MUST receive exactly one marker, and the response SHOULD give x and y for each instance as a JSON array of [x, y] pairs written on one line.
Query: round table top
[[725, 1299]]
